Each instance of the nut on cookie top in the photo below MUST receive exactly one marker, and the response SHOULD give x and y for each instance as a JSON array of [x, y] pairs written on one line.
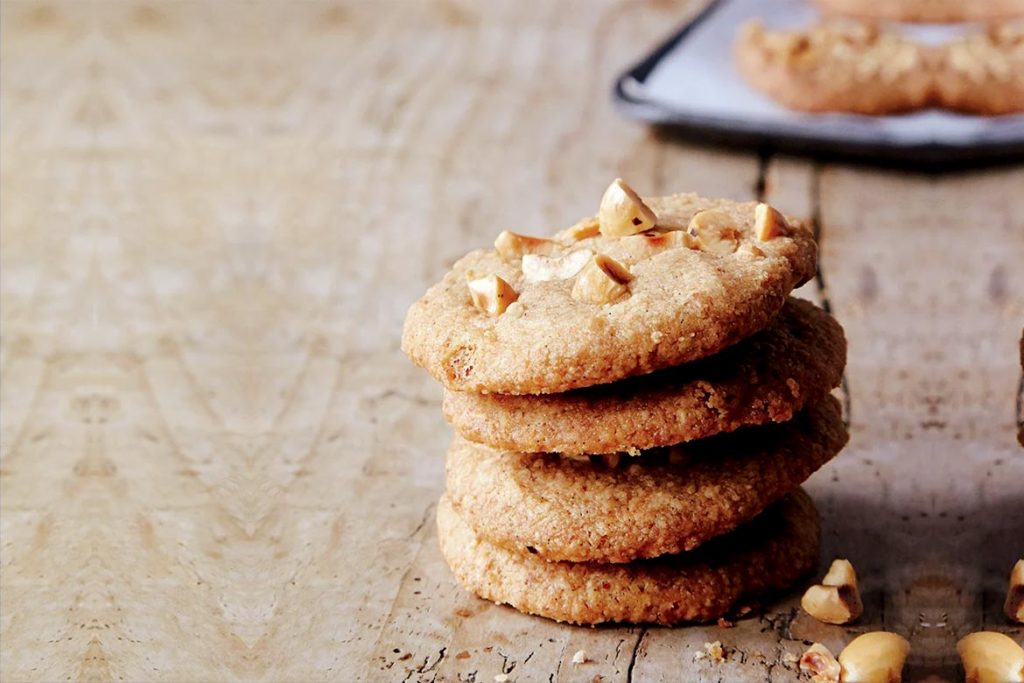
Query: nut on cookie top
[[646, 284]]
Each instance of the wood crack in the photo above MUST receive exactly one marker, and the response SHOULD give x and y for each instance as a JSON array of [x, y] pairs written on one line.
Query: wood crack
[[632, 657]]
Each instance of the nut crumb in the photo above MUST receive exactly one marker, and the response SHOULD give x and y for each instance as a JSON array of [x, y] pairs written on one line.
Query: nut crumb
[[501, 678], [462, 655], [712, 651], [580, 657], [789, 658], [598, 678]]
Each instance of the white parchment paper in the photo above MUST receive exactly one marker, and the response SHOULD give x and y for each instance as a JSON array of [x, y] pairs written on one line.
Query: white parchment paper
[[698, 79]]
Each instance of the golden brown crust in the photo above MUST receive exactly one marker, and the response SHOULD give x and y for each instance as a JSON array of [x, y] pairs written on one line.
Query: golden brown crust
[[767, 555], [659, 503], [766, 378], [682, 304]]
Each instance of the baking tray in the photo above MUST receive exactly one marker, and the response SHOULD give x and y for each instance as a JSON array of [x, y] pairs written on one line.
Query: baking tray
[[689, 85]]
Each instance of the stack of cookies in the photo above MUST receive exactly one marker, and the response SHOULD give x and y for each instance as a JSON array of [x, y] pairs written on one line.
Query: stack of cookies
[[637, 400]]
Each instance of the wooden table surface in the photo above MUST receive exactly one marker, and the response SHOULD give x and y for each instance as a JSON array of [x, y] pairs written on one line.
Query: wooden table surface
[[217, 464]]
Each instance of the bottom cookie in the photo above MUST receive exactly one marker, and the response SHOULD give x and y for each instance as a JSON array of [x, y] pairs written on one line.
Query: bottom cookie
[[768, 554]]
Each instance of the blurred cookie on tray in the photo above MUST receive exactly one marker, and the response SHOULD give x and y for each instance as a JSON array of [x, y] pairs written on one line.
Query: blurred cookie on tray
[[925, 11], [872, 68]]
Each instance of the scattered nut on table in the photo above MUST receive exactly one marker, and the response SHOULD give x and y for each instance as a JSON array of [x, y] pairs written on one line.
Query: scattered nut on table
[[875, 657], [990, 657], [821, 664], [836, 600], [1014, 605]]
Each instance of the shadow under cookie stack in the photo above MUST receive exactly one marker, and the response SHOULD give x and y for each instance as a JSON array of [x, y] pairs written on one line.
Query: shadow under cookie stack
[[636, 401]]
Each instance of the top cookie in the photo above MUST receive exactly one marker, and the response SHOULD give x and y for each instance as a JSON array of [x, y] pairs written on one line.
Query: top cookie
[[925, 11], [587, 307]]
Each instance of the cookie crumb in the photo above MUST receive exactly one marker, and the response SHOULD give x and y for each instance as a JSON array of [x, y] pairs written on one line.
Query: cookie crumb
[[790, 658], [725, 623], [501, 678], [598, 678], [580, 657], [712, 651], [462, 655]]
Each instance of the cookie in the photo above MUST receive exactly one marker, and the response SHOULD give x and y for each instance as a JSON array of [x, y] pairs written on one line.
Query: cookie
[[799, 357], [984, 73], [837, 66], [769, 554], [545, 316], [617, 510], [925, 11]]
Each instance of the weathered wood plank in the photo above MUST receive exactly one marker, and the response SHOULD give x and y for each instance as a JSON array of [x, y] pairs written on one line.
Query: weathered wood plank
[[217, 465]]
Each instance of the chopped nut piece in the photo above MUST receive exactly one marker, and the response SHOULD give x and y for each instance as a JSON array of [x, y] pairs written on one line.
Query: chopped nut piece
[[769, 222], [545, 268], [580, 658], [836, 600], [516, 309], [714, 232], [751, 250], [511, 245], [587, 227], [821, 663], [603, 280], [990, 657], [490, 293], [623, 212], [501, 678], [1014, 605], [875, 657]]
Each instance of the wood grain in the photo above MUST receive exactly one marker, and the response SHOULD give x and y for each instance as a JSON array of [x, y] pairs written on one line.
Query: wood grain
[[217, 465]]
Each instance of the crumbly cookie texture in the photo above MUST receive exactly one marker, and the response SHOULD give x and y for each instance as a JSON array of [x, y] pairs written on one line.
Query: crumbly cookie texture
[[837, 66], [768, 377], [984, 73], [925, 11], [620, 509], [685, 289], [767, 555]]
